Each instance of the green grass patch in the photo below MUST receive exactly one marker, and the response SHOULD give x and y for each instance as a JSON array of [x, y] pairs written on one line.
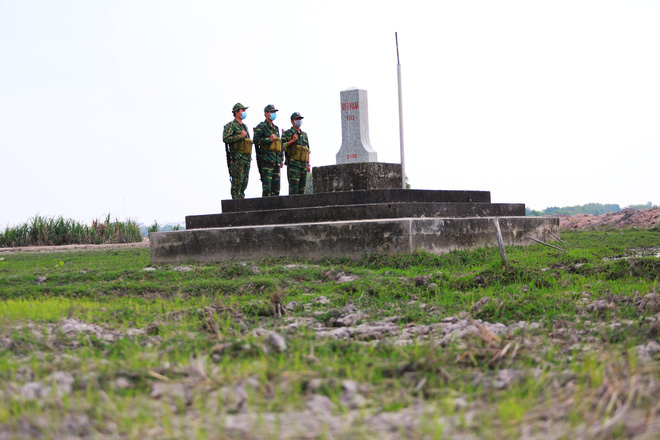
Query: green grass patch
[[175, 349]]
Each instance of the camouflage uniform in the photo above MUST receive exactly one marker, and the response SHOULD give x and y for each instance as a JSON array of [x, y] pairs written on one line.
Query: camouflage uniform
[[296, 169], [239, 163], [269, 161]]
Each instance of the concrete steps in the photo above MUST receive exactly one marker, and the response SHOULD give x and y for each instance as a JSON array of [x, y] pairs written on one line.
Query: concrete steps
[[351, 239], [353, 212], [353, 205], [350, 220], [361, 197]]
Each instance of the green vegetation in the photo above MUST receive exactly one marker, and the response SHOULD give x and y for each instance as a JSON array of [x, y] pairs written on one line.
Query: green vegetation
[[103, 344], [43, 231], [156, 227], [589, 208]]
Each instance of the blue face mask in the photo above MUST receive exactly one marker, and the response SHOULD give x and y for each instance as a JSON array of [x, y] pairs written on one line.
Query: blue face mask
[[243, 115], [273, 116], [297, 122]]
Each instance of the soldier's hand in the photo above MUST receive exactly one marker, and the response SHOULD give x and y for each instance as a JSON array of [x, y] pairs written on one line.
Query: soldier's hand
[[243, 134], [281, 164], [273, 137], [295, 137]]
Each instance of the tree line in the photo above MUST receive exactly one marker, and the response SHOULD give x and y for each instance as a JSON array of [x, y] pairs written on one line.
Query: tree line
[[589, 208]]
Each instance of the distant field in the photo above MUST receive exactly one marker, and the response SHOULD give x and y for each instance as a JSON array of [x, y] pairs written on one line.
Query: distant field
[[100, 344]]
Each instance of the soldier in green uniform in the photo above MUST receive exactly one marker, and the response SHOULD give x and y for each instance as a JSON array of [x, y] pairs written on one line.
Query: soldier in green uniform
[[269, 151], [235, 135], [297, 155]]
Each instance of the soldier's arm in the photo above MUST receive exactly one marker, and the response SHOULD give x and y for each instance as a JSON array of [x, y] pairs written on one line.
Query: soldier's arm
[[231, 134], [261, 135], [257, 135], [275, 132], [289, 140], [286, 136], [309, 168]]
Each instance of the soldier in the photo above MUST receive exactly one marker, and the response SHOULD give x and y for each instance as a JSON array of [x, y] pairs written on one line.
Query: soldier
[[269, 152], [239, 151], [297, 155]]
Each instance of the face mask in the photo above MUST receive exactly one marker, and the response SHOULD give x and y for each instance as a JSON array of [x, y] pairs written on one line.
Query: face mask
[[297, 122], [273, 116], [243, 115]]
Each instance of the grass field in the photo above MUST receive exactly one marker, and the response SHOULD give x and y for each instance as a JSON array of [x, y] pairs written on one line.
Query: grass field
[[100, 344]]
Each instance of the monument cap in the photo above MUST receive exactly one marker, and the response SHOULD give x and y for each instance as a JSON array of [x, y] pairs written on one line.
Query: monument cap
[[296, 115], [238, 106], [270, 108]]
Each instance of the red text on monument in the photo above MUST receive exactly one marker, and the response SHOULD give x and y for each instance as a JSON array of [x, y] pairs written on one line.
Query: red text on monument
[[349, 106]]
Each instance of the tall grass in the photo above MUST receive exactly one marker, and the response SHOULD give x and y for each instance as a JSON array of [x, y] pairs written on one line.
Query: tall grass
[[155, 227], [45, 231]]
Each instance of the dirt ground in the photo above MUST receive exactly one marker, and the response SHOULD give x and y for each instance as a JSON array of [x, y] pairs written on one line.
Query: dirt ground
[[627, 218], [76, 247]]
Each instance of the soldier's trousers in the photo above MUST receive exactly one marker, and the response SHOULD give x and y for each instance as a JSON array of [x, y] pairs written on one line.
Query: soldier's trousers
[[297, 175], [270, 179], [239, 170]]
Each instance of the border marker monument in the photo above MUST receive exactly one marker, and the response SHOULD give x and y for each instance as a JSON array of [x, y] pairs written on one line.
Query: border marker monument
[[357, 166], [358, 207], [355, 145]]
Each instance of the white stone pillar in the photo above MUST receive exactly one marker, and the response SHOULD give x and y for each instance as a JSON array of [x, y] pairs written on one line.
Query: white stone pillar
[[355, 145]]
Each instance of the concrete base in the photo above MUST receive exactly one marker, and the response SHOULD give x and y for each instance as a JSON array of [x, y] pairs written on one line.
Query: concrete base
[[354, 205], [358, 197], [354, 212], [345, 239], [356, 176]]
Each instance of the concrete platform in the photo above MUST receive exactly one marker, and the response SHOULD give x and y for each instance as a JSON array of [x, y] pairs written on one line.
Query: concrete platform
[[356, 176], [350, 239], [361, 197], [353, 212]]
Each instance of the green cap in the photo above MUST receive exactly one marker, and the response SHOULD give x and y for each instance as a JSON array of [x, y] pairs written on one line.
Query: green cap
[[238, 106], [296, 115], [270, 108]]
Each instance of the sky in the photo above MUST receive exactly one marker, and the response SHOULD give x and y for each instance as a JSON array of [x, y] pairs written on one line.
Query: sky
[[117, 106]]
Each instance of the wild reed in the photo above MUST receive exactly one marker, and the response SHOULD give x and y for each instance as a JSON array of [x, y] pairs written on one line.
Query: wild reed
[[48, 231]]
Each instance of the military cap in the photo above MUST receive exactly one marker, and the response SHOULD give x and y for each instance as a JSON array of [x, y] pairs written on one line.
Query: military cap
[[296, 115], [270, 108], [238, 106]]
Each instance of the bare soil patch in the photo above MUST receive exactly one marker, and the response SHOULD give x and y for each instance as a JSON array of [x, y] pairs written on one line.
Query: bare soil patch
[[75, 247], [627, 218]]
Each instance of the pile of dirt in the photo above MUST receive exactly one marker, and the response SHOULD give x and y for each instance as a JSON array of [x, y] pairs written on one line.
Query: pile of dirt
[[627, 218]]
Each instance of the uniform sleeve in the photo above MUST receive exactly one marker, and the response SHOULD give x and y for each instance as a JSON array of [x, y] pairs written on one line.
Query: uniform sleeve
[[231, 134], [286, 137], [261, 136]]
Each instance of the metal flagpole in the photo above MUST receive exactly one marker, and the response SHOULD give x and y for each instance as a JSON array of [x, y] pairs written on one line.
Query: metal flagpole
[[398, 72]]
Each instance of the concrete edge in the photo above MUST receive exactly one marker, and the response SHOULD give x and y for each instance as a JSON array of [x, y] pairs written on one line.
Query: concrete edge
[[350, 239]]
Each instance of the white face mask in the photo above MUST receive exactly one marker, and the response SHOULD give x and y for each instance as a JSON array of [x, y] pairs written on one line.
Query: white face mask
[[297, 122]]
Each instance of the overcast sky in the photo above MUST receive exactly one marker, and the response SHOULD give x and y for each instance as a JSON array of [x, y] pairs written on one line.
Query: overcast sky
[[118, 106]]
